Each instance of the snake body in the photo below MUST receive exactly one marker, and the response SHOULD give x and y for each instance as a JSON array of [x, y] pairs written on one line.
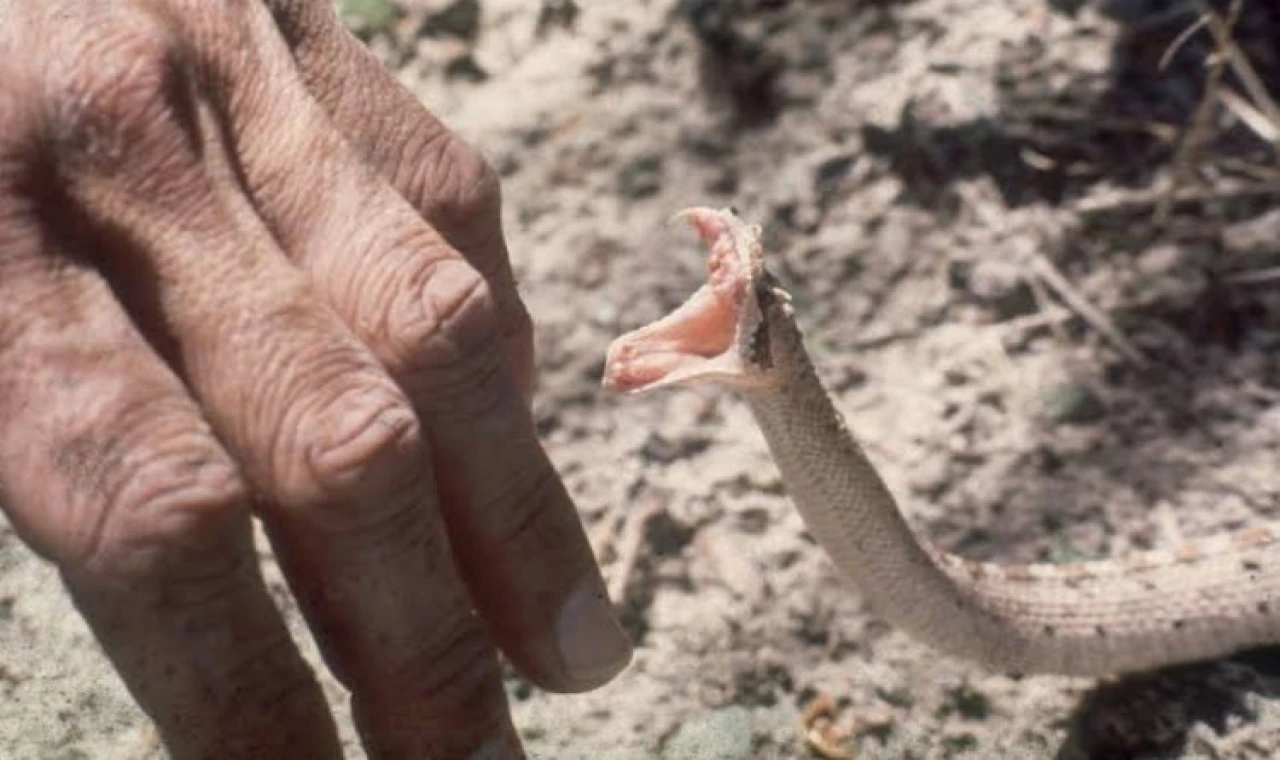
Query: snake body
[[1199, 601]]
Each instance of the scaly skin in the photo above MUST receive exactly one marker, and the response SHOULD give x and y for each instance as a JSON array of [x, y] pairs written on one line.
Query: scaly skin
[[1202, 600]]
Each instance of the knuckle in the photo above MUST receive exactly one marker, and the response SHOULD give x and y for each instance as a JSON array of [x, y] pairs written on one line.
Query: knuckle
[[347, 439], [300, 18], [450, 343], [479, 192], [116, 102], [157, 506], [460, 194], [525, 508], [457, 186], [255, 704], [453, 677], [457, 313], [447, 313]]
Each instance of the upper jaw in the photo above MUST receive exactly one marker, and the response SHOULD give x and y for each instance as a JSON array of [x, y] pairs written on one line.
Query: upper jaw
[[706, 339]]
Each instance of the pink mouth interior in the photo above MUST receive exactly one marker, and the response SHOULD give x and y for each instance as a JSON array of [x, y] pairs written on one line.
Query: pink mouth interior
[[698, 337]]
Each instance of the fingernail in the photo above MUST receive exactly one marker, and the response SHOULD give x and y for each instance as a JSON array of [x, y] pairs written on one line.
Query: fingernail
[[592, 644]]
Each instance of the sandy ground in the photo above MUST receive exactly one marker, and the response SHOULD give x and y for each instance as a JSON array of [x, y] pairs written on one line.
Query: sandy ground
[[917, 166]]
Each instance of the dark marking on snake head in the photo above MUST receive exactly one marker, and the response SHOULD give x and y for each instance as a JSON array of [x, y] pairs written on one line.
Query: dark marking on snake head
[[760, 351], [767, 298]]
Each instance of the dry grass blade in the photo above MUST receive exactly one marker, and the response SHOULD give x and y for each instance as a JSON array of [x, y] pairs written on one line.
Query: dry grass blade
[[632, 541], [1250, 116], [1099, 321], [1221, 28], [1181, 40], [1188, 152], [1255, 277], [1251, 169], [1128, 204]]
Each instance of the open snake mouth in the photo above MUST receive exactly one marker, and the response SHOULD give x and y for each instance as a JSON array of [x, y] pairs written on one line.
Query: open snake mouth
[[699, 340]]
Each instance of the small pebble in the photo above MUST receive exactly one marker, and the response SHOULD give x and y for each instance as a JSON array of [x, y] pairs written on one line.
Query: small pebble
[[1072, 404]]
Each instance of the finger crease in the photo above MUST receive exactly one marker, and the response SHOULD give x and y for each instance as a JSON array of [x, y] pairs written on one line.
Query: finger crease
[[528, 503]]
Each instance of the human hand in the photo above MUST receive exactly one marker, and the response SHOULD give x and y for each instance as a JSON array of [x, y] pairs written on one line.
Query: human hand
[[243, 272]]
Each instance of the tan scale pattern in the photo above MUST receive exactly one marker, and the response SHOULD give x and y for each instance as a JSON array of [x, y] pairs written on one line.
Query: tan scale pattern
[[1201, 600]]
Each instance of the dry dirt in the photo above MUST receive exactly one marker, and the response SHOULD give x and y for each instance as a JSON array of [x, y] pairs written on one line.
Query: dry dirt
[[916, 165]]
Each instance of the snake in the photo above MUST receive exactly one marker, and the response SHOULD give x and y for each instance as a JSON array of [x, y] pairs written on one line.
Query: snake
[[1200, 600]]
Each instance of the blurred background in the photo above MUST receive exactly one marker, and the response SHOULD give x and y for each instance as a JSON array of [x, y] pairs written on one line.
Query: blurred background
[[1035, 246]]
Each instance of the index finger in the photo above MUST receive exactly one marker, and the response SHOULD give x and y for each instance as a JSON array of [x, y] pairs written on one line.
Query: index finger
[[435, 170]]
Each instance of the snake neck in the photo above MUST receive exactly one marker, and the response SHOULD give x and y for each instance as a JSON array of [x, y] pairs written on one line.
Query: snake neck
[[845, 504], [1197, 601]]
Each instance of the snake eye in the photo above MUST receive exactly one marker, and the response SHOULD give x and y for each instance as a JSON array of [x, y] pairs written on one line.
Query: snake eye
[[733, 210]]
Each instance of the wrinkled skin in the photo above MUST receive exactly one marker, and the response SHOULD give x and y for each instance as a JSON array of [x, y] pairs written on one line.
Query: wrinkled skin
[[243, 273]]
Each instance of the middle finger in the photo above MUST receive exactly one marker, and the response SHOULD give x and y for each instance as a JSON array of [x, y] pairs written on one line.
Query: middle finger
[[431, 319]]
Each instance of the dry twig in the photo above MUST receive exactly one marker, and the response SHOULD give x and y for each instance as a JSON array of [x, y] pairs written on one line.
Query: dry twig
[[1250, 116], [1255, 277], [1124, 203], [1043, 304], [1188, 153], [1097, 319], [631, 542], [1182, 39], [1221, 28]]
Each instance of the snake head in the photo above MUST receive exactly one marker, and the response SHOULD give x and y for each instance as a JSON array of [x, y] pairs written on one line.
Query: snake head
[[719, 334]]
